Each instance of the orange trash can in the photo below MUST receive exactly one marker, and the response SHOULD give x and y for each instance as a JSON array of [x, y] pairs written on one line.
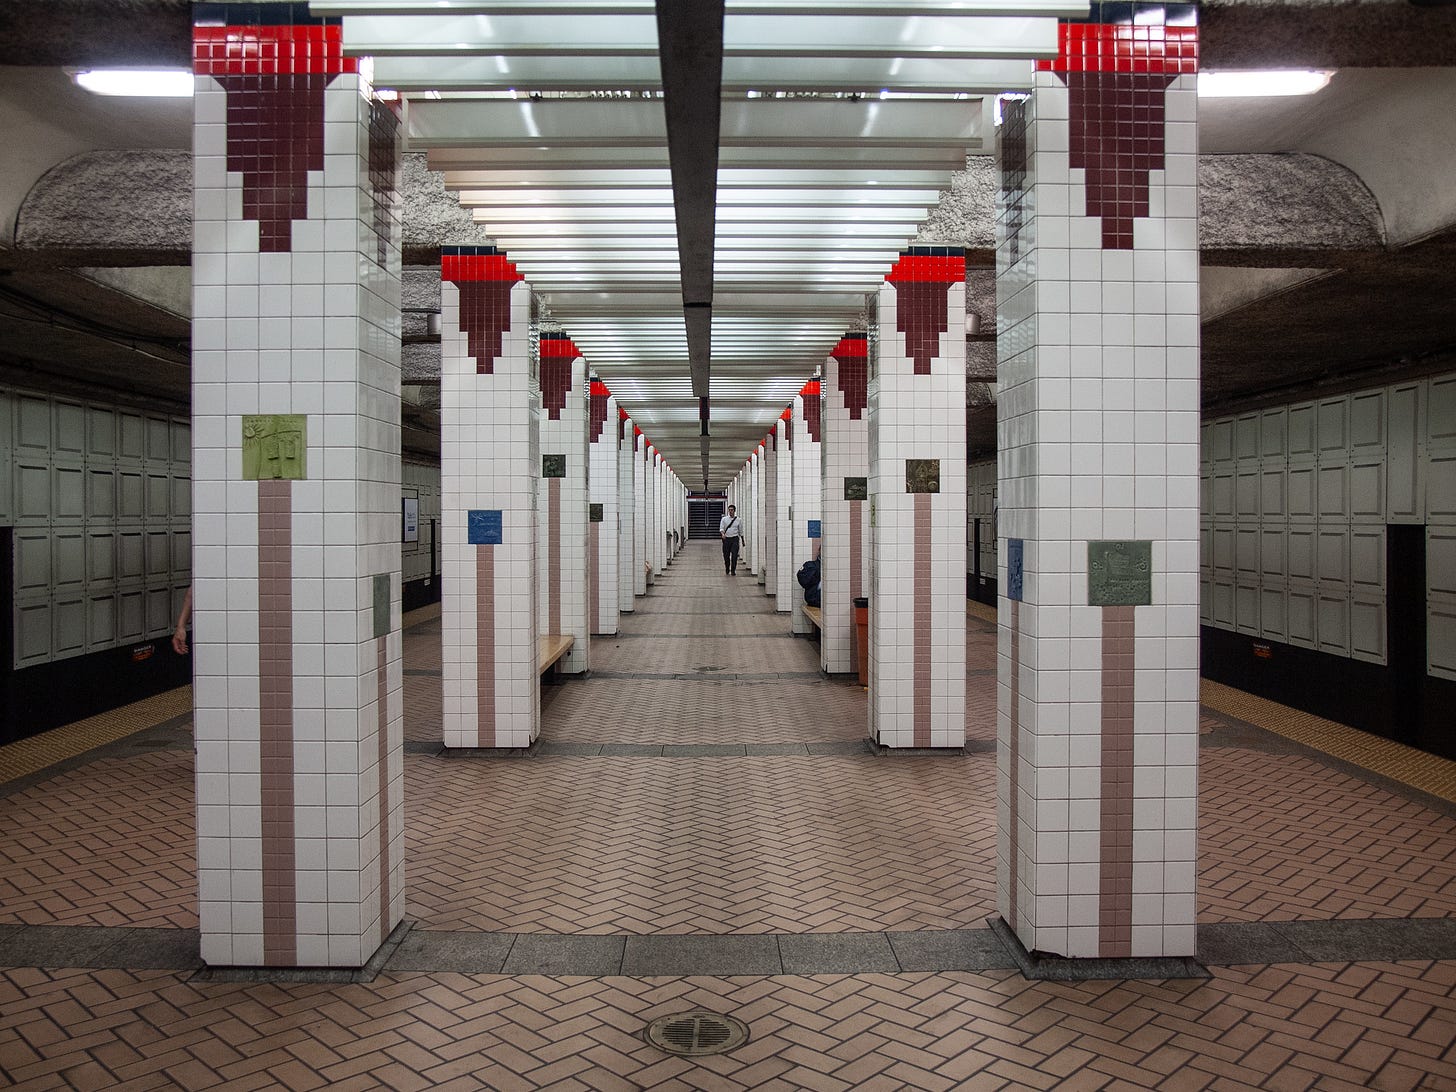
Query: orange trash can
[[862, 639]]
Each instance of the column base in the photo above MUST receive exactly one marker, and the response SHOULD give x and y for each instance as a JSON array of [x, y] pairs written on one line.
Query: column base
[[1041, 966], [367, 973]]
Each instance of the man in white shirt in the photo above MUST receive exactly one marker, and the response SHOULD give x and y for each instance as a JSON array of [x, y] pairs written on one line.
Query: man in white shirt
[[730, 530]]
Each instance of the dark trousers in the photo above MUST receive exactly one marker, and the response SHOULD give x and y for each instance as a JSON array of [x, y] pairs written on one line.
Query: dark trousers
[[730, 554]]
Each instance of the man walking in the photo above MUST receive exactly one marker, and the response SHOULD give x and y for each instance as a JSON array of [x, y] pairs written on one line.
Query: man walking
[[730, 530]]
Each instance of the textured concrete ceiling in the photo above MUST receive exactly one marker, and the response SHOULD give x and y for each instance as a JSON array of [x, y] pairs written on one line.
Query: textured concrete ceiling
[[1364, 307]]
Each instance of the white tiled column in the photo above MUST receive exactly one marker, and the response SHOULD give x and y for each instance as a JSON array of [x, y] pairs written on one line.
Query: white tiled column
[[561, 527], [296, 487], [1098, 330], [641, 510], [760, 512], [785, 586], [628, 561], [845, 552], [917, 426], [771, 515], [656, 529], [808, 485], [602, 544], [489, 466]]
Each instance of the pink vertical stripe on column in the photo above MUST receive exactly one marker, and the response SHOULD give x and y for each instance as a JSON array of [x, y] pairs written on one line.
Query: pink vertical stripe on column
[[1115, 907], [594, 573], [856, 550], [382, 673], [923, 636], [275, 720], [485, 645], [553, 555], [1014, 819]]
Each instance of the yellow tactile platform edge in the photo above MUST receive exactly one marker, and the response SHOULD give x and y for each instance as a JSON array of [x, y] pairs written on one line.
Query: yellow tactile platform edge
[[1426, 772], [428, 613], [35, 753], [28, 756], [980, 610]]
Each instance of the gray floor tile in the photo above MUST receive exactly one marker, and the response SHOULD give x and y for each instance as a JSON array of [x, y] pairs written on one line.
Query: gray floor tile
[[950, 950], [842, 747], [469, 953], [58, 946], [761, 749], [837, 953], [701, 955], [565, 955], [587, 749], [703, 750], [1231, 943], [155, 949], [633, 750], [1378, 938]]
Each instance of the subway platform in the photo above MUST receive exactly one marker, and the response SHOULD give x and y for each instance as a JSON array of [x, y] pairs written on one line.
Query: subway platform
[[703, 826]]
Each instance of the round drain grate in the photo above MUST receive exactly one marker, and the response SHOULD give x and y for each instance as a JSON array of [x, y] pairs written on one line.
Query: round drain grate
[[693, 1033]]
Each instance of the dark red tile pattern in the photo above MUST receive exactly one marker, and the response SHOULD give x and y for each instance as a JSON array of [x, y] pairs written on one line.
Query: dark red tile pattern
[[275, 136], [383, 172], [1118, 75], [485, 278], [852, 354], [922, 278], [1115, 906], [1014, 163], [1117, 136], [597, 411], [557, 354], [788, 417], [1124, 47], [622, 419], [315, 49], [813, 407], [275, 720]]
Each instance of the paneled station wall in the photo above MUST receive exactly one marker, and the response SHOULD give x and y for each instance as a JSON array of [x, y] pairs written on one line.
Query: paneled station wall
[[421, 481], [100, 499], [981, 505], [1296, 500]]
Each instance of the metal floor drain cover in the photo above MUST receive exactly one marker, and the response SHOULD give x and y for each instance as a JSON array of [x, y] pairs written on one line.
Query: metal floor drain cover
[[693, 1033]]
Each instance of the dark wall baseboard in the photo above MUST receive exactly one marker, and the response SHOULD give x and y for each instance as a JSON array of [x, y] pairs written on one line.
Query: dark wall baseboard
[[37, 699], [420, 593], [982, 591], [1351, 692]]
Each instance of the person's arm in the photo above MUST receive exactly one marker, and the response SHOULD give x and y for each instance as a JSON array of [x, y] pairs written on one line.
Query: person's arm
[[179, 635]]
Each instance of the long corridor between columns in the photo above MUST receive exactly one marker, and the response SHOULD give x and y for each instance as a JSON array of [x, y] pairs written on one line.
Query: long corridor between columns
[[704, 778]]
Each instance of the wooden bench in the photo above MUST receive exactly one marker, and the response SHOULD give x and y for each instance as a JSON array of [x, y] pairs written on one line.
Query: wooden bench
[[815, 616], [550, 647]]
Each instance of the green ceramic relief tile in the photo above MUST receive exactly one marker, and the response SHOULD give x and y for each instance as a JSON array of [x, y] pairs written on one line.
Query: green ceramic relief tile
[[594, 513], [275, 446], [1119, 574], [381, 604], [553, 466], [922, 475], [856, 488]]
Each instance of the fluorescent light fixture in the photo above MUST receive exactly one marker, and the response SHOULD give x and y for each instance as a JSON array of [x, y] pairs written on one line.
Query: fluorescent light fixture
[[1265, 84], [174, 83]]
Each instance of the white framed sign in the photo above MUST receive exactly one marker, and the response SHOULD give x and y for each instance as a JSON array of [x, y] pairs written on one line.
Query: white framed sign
[[411, 519]]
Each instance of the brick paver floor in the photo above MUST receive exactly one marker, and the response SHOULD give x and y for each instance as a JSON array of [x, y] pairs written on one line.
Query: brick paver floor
[[793, 843]]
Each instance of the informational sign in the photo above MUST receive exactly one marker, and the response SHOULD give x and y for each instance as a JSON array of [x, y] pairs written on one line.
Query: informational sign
[[1119, 574], [411, 519]]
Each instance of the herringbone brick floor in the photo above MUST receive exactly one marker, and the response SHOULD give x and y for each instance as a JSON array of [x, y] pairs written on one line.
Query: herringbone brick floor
[[1332, 1026], [712, 845], [723, 845]]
